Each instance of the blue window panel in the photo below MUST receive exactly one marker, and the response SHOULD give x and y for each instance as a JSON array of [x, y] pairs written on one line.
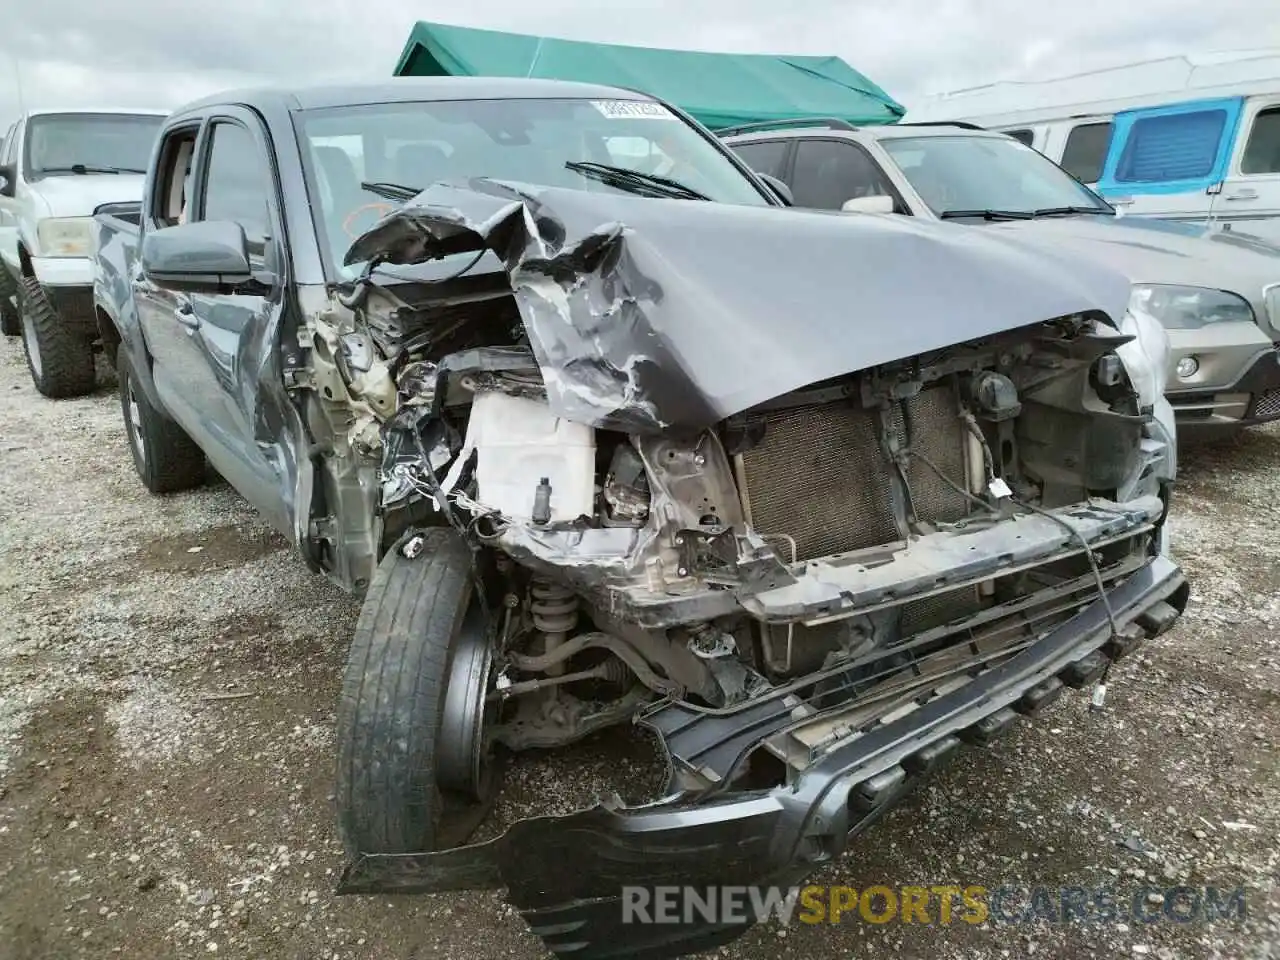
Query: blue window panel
[[1181, 146], [1178, 148]]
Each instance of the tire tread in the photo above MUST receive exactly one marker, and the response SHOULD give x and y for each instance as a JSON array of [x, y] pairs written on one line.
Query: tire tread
[[10, 321], [66, 355], [392, 697], [173, 462]]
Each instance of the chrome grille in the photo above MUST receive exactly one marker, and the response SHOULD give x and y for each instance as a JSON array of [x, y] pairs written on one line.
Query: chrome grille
[[818, 475]]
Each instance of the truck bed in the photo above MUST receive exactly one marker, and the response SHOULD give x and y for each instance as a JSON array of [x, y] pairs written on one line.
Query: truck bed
[[115, 251]]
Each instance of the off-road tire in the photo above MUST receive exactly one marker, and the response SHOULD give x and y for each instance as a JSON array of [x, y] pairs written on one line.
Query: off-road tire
[[393, 695], [10, 319], [62, 365], [167, 460]]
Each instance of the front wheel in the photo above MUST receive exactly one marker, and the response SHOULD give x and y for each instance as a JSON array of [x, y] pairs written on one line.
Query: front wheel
[[415, 771], [10, 320], [60, 359]]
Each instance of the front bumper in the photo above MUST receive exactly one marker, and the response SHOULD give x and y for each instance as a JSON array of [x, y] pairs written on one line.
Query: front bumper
[[67, 282], [63, 271], [1237, 383], [566, 874]]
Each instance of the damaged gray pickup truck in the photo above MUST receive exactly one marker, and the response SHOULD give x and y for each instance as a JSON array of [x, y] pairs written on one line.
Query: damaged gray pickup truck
[[812, 498]]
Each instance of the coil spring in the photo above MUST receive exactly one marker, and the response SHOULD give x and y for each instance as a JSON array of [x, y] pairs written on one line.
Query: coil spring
[[554, 608]]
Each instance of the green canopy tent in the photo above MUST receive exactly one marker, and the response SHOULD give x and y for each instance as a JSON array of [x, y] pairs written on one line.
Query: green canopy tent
[[719, 89]]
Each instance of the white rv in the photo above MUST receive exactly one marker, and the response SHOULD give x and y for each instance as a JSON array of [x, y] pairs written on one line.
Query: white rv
[[1183, 138]]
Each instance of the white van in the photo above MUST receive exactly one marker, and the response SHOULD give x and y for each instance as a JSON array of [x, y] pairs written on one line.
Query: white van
[[1182, 138]]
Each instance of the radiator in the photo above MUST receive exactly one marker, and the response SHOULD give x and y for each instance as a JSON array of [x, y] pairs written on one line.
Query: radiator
[[818, 475]]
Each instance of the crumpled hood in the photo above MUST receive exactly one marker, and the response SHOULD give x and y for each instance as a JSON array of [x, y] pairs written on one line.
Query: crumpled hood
[[1148, 250], [648, 314]]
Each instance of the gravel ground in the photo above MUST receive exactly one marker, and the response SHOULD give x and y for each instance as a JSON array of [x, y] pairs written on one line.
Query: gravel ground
[[168, 674]]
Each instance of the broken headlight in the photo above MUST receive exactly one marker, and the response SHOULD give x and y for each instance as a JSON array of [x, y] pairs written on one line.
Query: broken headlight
[[1187, 308]]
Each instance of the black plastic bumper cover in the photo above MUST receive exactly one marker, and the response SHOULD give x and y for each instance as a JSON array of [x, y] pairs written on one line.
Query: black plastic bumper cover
[[74, 306], [566, 874]]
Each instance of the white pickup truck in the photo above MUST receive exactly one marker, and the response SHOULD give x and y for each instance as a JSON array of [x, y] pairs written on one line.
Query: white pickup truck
[[56, 168]]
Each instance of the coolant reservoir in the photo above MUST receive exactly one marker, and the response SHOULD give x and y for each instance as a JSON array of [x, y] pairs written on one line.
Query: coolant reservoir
[[519, 442]]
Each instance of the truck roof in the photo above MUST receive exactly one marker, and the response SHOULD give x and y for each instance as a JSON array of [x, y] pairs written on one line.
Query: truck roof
[[409, 89], [120, 111]]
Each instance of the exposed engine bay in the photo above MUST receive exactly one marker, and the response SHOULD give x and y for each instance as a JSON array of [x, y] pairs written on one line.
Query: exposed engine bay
[[649, 527]]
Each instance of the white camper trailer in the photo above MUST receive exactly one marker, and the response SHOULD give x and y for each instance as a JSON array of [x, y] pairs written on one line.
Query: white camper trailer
[[1183, 138]]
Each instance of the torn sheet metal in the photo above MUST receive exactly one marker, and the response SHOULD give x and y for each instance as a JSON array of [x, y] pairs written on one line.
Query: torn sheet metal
[[650, 314]]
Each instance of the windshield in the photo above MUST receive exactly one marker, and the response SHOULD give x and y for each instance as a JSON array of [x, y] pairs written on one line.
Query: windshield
[[87, 143], [960, 173], [560, 143]]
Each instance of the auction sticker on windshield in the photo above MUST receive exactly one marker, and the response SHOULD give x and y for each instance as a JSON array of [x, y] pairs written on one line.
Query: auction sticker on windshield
[[632, 110]]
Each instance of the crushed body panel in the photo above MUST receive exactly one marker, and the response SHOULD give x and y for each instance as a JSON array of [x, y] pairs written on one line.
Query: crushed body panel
[[629, 301]]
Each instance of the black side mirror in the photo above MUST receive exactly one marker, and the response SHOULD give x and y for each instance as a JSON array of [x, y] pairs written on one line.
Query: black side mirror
[[8, 176], [778, 187], [210, 256]]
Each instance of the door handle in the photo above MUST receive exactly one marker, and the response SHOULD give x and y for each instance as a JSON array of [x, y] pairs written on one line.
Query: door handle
[[183, 313], [1247, 193]]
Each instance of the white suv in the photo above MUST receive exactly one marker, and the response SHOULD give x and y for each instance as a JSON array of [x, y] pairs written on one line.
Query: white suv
[[57, 166]]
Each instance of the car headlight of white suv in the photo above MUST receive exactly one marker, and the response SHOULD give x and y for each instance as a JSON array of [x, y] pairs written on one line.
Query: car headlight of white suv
[[1181, 307], [65, 236]]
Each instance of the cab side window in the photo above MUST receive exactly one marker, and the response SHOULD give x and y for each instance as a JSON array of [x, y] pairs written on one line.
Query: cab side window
[[829, 172], [236, 184], [764, 156], [10, 152], [171, 203]]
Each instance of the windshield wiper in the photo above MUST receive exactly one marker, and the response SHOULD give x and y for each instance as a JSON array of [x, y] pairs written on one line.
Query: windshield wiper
[[986, 214], [85, 168], [392, 191], [634, 181], [1064, 211]]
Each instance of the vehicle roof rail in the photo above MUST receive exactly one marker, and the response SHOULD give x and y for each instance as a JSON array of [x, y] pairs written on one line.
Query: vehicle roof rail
[[829, 123], [962, 124]]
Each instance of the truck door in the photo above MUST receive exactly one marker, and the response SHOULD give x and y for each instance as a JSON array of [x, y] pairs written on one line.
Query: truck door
[[163, 314], [9, 205], [233, 335], [1170, 161], [1250, 199]]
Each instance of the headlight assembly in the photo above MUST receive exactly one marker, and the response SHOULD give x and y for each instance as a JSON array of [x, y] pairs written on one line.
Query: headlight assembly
[[65, 236], [1187, 308]]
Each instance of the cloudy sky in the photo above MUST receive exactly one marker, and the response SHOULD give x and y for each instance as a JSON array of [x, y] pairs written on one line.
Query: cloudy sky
[[162, 52]]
